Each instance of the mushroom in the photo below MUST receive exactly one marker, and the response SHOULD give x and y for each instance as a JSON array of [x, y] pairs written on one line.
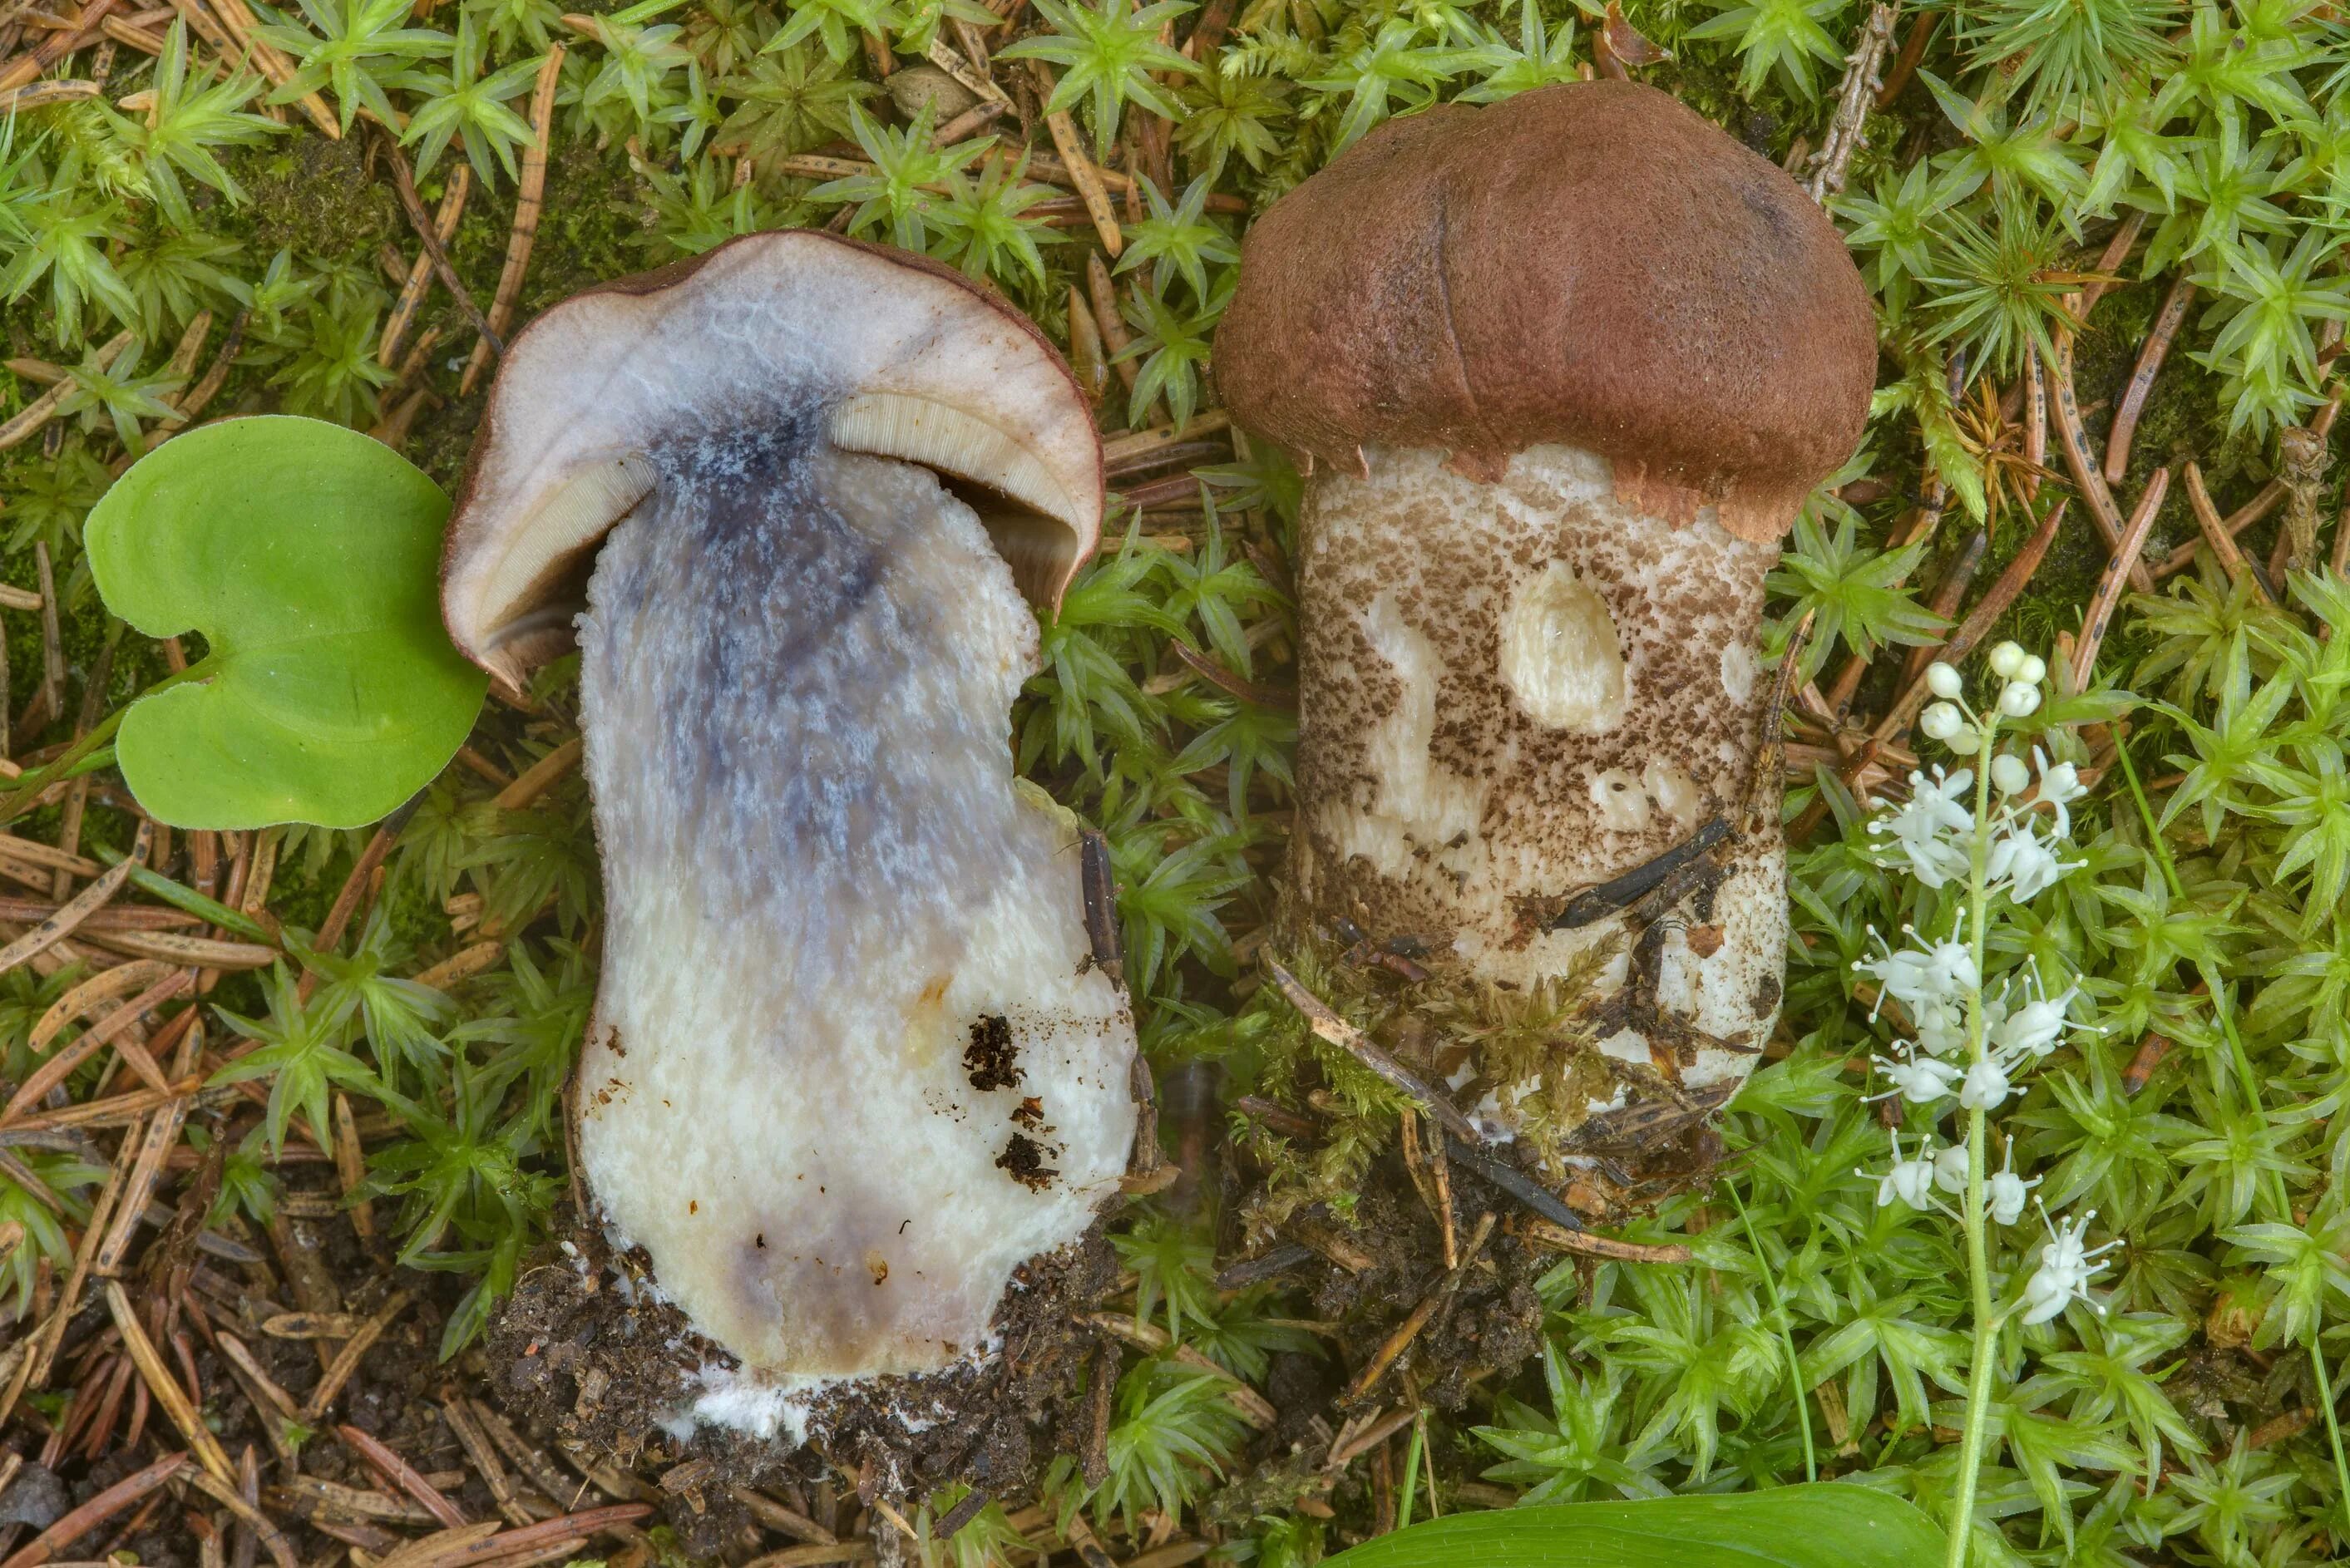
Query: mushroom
[[1561, 370], [853, 1062]]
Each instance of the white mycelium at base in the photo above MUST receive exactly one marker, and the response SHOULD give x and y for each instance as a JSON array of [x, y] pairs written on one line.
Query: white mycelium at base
[[822, 884], [1513, 690]]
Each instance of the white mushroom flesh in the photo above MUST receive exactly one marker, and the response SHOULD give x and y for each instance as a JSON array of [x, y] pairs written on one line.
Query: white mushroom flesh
[[851, 1062]]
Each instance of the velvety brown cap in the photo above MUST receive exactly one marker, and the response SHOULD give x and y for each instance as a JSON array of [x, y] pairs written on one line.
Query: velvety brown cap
[[1590, 264]]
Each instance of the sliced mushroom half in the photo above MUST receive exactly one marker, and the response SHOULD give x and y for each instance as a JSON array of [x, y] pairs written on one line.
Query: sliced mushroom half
[[852, 1060]]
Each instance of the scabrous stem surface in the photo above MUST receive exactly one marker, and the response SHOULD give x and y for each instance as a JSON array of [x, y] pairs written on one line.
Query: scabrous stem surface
[[1512, 691], [851, 1063]]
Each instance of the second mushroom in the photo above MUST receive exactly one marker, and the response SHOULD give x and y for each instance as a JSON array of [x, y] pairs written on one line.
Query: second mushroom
[[1563, 370]]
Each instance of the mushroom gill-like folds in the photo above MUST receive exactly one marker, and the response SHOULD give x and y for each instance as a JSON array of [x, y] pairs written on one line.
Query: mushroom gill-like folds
[[1565, 368], [852, 1061]]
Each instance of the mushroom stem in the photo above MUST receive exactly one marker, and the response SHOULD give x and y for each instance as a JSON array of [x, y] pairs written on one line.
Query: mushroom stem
[[851, 1062], [1515, 693]]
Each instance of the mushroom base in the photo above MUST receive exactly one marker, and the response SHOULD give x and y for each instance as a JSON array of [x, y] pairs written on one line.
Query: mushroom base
[[587, 1351]]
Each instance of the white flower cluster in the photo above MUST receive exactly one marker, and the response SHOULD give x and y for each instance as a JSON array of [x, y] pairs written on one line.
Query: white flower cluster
[[1934, 828], [1971, 1044]]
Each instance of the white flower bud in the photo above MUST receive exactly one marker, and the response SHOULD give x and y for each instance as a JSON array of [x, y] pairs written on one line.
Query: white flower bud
[[2007, 659], [1985, 1087], [2019, 700], [1944, 680], [2033, 670], [1941, 721], [1950, 1168], [1966, 743], [2009, 774]]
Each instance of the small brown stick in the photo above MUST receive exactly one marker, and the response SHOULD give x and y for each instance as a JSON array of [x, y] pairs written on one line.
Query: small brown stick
[[114, 1030], [80, 1000], [530, 191], [75, 910], [139, 39], [28, 421], [281, 1551], [2086, 475], [45, 1546], [484, 1460], [51, 699], [782, 1520], [1081, 171], [1396, 1343], [420, 272], [347, 1360], [1439, 1167], [1328, 1026], [1584, 1242], [1086, 353], [2109, 263], [2141, 381], [540, 776], [382, 1458], [84, 29], [1913, 49], [1848, 129], [2216, 535], [350, 1167], [246, 1361], [1970, 632], [162, 1136], [239, 22], [163, 1385], [192, 402], [1104, 294], [2035, 427], [2109, 586], [2149, 1056], [1378, 1429], [41, 95], [1948, 593], [404, 183], [963, 125], [955, 66]]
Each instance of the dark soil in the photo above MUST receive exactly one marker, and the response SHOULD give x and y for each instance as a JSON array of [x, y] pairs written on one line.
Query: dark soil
[[605, 1368]]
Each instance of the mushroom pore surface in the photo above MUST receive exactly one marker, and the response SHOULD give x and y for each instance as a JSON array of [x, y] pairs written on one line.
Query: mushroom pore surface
[[850, 1063]]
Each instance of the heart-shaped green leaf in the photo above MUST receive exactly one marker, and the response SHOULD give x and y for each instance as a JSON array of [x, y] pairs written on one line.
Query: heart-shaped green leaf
[[310, 558], [1827, 1525]]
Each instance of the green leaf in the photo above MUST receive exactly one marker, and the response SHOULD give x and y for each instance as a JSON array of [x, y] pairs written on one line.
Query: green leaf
[[1828, 1525], [308, 556]]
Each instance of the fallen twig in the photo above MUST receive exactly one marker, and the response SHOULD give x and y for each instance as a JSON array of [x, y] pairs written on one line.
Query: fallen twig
[[2087, 476], [2216, 535], [2109, 586], [2141, 381], [1328, 1026], [129, 1490], [1848, 129], [420, 272], [1584, 1242], [530, 191], [1082, 175], [347, 1360], [163, 1385], [1396, 1343]]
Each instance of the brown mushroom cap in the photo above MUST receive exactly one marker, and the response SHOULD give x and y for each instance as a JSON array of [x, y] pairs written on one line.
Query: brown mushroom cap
[[1592, 264]]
